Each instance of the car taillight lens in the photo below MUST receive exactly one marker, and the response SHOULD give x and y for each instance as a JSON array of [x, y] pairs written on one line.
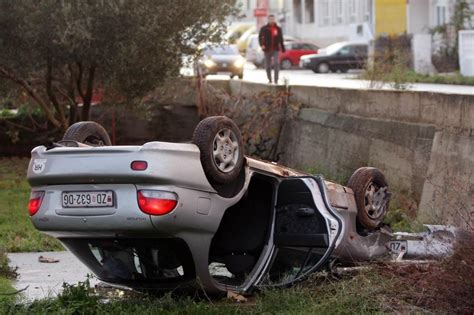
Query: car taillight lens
[[36, 198], [156, 202], [139, 165]]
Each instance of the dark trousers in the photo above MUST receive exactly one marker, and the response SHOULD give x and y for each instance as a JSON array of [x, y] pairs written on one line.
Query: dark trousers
[[272, 57]]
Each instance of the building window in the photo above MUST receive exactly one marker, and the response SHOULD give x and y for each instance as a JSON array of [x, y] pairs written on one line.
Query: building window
[[309, 11], [338, 12], [352, 11], [324, 13], [366, 9], [440, 15], [297, 11]]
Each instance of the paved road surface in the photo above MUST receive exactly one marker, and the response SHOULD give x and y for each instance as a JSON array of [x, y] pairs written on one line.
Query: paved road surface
[[46, 279], [341, 80]]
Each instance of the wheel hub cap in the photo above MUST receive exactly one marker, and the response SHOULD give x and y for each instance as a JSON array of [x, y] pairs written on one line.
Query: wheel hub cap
[[376, 200], [225, 150]]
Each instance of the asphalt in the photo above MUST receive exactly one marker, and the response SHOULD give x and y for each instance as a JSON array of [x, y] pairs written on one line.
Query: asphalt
[[43, 280]]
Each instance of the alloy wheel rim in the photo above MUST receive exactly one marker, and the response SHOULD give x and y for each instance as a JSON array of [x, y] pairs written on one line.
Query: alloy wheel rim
[[226, 150], [375, 200]]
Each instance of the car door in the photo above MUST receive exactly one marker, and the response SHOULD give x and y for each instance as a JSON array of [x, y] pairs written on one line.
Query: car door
[[343, 58], [305, 231]]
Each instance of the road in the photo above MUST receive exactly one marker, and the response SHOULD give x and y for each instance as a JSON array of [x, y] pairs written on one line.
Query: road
[[339, 80], [42, 280]]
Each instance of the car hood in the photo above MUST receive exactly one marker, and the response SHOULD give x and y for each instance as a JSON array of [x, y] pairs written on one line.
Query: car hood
[[313, 56]]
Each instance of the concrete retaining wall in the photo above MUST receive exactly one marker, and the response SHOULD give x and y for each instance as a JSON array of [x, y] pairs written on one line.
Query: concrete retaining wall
[[423, 142]]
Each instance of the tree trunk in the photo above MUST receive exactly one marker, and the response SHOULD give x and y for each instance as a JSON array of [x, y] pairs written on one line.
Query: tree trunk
[[86, 105], [52, 97]]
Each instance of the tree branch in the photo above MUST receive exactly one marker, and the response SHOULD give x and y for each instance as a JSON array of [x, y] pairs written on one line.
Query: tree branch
[[6, 73]]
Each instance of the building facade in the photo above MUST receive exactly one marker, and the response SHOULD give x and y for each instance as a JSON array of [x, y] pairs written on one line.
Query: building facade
[[329, 21]]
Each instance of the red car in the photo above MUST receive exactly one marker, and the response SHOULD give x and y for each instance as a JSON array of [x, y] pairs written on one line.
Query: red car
[[294, 50]]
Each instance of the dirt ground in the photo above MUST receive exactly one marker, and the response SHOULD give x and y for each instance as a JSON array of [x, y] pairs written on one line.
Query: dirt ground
[[447, 286]]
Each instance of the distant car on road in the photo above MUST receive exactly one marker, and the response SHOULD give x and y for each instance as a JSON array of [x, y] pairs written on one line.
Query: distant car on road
[[339, 56], [221, 59], [294, 51]]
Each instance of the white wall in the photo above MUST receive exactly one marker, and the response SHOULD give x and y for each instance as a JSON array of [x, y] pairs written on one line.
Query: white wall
[[334, 20], [418, 17]]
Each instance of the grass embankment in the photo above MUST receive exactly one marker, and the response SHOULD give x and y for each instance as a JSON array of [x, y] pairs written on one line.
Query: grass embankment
[[5, 286], [362, 293], [17, 233]]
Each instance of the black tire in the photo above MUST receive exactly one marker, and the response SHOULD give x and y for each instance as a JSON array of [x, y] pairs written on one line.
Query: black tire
[[88, 132], [286, 64], [241, 76], [371, 195], [231, 150], [323, 67]]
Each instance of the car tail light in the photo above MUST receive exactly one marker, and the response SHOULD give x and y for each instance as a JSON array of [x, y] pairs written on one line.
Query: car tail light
[[156, 202], [139, 165], [36, 198]]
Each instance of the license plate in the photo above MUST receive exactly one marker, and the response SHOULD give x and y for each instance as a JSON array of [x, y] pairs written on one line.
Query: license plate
[[224, 65], [397, 246], [88, 199]]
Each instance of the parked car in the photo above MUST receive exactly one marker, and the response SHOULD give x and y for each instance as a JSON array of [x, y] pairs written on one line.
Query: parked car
[[340, 56], [236, 30], [242, 42], [255, 53], [221, 59], [294, 51], [168, 215]]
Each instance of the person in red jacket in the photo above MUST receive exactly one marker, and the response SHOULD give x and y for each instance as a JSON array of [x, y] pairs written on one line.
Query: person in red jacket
[[271, 41]]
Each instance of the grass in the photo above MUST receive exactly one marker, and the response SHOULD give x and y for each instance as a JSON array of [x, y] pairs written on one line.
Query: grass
[[455, 78], [5, 274], [17, 233], [400, 77], [359, 294]]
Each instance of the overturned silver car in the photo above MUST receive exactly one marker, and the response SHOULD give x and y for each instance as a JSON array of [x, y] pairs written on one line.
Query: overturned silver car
[[173, 215]]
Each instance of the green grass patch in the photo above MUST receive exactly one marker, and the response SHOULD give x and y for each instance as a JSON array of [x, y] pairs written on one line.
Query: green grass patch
[[17, 233], [360, 294], [5, 286], [400, 77]]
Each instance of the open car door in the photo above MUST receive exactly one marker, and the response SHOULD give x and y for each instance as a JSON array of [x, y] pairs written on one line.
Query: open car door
[[305, 231]]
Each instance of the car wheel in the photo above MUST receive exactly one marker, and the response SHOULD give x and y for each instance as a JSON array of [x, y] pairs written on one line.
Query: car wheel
[[371, 196], [323, 68], [286, 64], [87, 132], [222, 153], [241, 76]]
